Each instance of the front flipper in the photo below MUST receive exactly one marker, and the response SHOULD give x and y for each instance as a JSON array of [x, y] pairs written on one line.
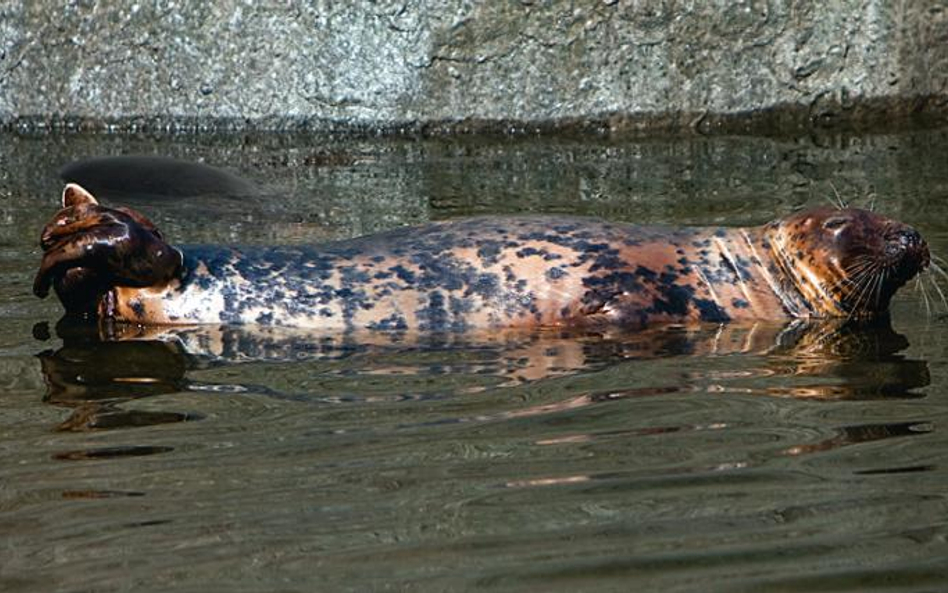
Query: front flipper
[[89, 249]]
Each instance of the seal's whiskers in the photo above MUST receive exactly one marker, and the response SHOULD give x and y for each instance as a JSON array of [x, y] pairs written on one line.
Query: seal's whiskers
[[880, 282], [939, 258], [938, 289], [865, 285], [839, 203], [930, 274], [928, 306], [854, 274], [865, 296], [936, 268], [933, 273], [918, 287], [862, 292]]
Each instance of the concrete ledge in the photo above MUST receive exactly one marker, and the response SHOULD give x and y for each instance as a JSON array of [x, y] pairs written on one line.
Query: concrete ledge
[[427, 67]]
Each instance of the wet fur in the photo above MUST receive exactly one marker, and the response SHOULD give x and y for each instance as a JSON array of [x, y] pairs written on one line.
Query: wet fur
[[473, 273]]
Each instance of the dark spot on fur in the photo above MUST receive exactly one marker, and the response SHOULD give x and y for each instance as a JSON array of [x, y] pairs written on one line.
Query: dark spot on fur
[[489, 252], [710, 311], [403, 274], [645, 273], [433, 316], [556, 273], [392, 322], [674, 300], [484, 285]]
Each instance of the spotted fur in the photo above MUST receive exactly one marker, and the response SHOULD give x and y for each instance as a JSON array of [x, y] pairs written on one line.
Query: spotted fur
[[511, 272]]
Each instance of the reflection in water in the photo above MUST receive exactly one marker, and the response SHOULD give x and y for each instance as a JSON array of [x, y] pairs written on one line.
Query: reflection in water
[[94, 376], [844, 436], [849, 361], [864, 433], [99, 368]]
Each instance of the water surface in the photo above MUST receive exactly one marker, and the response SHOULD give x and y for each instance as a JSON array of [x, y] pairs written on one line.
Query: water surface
[[783, 457]]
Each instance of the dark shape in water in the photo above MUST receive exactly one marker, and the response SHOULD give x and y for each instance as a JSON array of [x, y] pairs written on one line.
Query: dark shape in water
[[862, 433], [909, 469], [108, 416], [112, 452], [142, 177], [97, 494]]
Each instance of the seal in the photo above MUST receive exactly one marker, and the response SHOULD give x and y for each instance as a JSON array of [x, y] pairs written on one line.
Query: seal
[[485, 272]]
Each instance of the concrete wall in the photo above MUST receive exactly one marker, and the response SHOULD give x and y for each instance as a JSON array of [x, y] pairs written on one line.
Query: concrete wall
[[462, 64]]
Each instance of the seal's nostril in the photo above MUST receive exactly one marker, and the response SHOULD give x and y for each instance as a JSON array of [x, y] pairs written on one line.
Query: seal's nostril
[[909, 238]]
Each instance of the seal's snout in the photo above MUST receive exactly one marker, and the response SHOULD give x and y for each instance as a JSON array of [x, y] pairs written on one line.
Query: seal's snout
[[907, 246], [910, 240]]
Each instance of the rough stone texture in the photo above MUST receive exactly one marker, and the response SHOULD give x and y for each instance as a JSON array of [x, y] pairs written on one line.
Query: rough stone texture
[[460, 64]]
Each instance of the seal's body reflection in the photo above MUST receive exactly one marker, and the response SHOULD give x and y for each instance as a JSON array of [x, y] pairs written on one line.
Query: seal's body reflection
[[100, 367]]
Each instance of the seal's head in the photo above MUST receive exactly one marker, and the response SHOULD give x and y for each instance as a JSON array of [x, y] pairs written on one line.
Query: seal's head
[[846, 262]]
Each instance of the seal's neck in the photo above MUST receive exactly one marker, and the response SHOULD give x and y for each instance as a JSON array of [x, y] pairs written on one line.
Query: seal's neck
[[743, 268], [812, 287]]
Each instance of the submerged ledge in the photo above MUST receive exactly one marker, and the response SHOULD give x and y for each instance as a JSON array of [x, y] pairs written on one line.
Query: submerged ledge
[[859, 116]]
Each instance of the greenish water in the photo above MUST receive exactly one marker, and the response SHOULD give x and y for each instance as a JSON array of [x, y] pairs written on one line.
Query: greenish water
[[761, 457]]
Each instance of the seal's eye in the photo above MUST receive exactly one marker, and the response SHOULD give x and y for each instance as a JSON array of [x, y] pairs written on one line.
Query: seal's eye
[[834, 223]]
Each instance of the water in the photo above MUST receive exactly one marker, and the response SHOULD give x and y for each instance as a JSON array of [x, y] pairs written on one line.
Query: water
[[781, 457]]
